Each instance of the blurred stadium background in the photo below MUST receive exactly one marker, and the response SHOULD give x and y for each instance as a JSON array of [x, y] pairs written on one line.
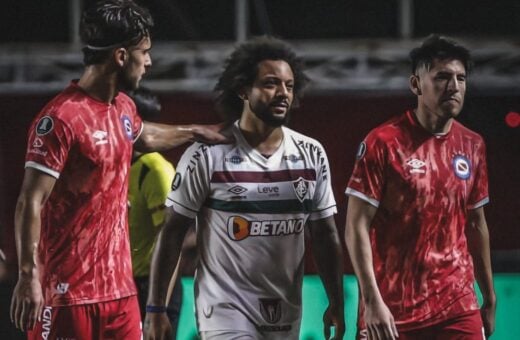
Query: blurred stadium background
[[356, 54]]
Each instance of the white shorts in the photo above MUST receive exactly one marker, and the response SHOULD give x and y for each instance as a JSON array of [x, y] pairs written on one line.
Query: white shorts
[[248, 335]]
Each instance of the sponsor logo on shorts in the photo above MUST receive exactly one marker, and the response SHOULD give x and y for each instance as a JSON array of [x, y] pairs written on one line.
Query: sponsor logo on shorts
[[62, 288], [46, 321], [239, 228], [301, 187], [207, 311], [271, 310], [44, 126], [462, 167]]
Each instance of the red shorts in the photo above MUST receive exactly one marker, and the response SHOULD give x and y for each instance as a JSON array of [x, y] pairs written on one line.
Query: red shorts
[[467, 326], [116, 319]]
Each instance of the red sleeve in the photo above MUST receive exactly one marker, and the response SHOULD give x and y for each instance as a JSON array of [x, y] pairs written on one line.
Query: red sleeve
[[49, 142], [479, 195], [137, 126], [367, 180]]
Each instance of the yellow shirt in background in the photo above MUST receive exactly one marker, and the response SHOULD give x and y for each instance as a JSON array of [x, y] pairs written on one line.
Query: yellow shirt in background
[[150, 181]]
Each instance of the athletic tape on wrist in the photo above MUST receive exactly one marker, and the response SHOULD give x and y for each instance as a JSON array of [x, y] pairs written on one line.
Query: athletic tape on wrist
[[155, 309]]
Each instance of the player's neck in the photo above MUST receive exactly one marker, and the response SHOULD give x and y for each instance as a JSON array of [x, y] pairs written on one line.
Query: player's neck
[[432, 122], [260, 136], [98, 83]]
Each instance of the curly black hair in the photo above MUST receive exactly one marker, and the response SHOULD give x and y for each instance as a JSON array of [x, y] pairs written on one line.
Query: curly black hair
[[110, 24], [241, 69], [439, 47]]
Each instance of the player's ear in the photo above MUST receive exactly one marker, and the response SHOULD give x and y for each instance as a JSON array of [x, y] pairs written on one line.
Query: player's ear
[[415, 84], [242, 94], [120, 56]]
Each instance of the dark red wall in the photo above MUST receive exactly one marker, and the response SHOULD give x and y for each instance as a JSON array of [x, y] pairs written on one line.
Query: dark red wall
[[339, 122]]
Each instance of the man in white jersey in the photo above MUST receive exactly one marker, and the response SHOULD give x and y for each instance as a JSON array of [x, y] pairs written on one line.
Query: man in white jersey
[[251, 200]]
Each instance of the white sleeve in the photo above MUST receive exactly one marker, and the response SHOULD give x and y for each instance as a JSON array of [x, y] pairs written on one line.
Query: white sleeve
[[190, 186], [323, 203]]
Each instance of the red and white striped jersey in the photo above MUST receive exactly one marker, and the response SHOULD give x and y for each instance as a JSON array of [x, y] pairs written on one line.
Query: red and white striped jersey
[[251, 211]]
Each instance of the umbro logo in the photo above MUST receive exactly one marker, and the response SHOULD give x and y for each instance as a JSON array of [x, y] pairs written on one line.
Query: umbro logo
[[417, 166], [237, 190], [100, 136]]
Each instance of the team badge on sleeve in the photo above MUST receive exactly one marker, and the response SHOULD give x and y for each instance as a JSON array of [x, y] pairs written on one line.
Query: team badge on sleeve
[[127, 125], [361, 150], [462, 167], [44, 126], [176, 181]]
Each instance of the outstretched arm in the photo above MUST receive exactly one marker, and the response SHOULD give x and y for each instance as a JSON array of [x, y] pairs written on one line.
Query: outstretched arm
[[329, 260], [478, 243], [158, 137], [27, 301], [379, 321], [165, 259]]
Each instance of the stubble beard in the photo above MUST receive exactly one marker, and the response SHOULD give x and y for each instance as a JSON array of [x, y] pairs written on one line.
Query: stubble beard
[[125, 82], [265, 114]]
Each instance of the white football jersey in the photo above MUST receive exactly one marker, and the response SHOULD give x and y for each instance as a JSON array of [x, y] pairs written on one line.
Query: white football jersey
[[251, 211]]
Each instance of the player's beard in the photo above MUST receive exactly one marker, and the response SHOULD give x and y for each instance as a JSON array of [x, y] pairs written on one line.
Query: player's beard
[[125, 82], [264, 113]]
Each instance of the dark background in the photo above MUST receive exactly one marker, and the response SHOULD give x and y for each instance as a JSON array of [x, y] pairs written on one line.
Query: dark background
[[339, 120], [213, 20]]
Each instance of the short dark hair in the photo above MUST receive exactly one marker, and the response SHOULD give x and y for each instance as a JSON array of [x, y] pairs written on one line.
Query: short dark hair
[[147, 103], [241, 69], [439, 47], [110, 24]]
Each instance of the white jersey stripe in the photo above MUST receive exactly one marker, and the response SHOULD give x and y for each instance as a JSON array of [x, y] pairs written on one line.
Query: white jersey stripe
[[42, 168]]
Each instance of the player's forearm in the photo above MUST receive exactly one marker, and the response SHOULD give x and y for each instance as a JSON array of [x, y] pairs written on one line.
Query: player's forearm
[[358, 244], [166, 256], [158, 137], [27, 235], [478, 242], [357, 239], [329, 261]]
